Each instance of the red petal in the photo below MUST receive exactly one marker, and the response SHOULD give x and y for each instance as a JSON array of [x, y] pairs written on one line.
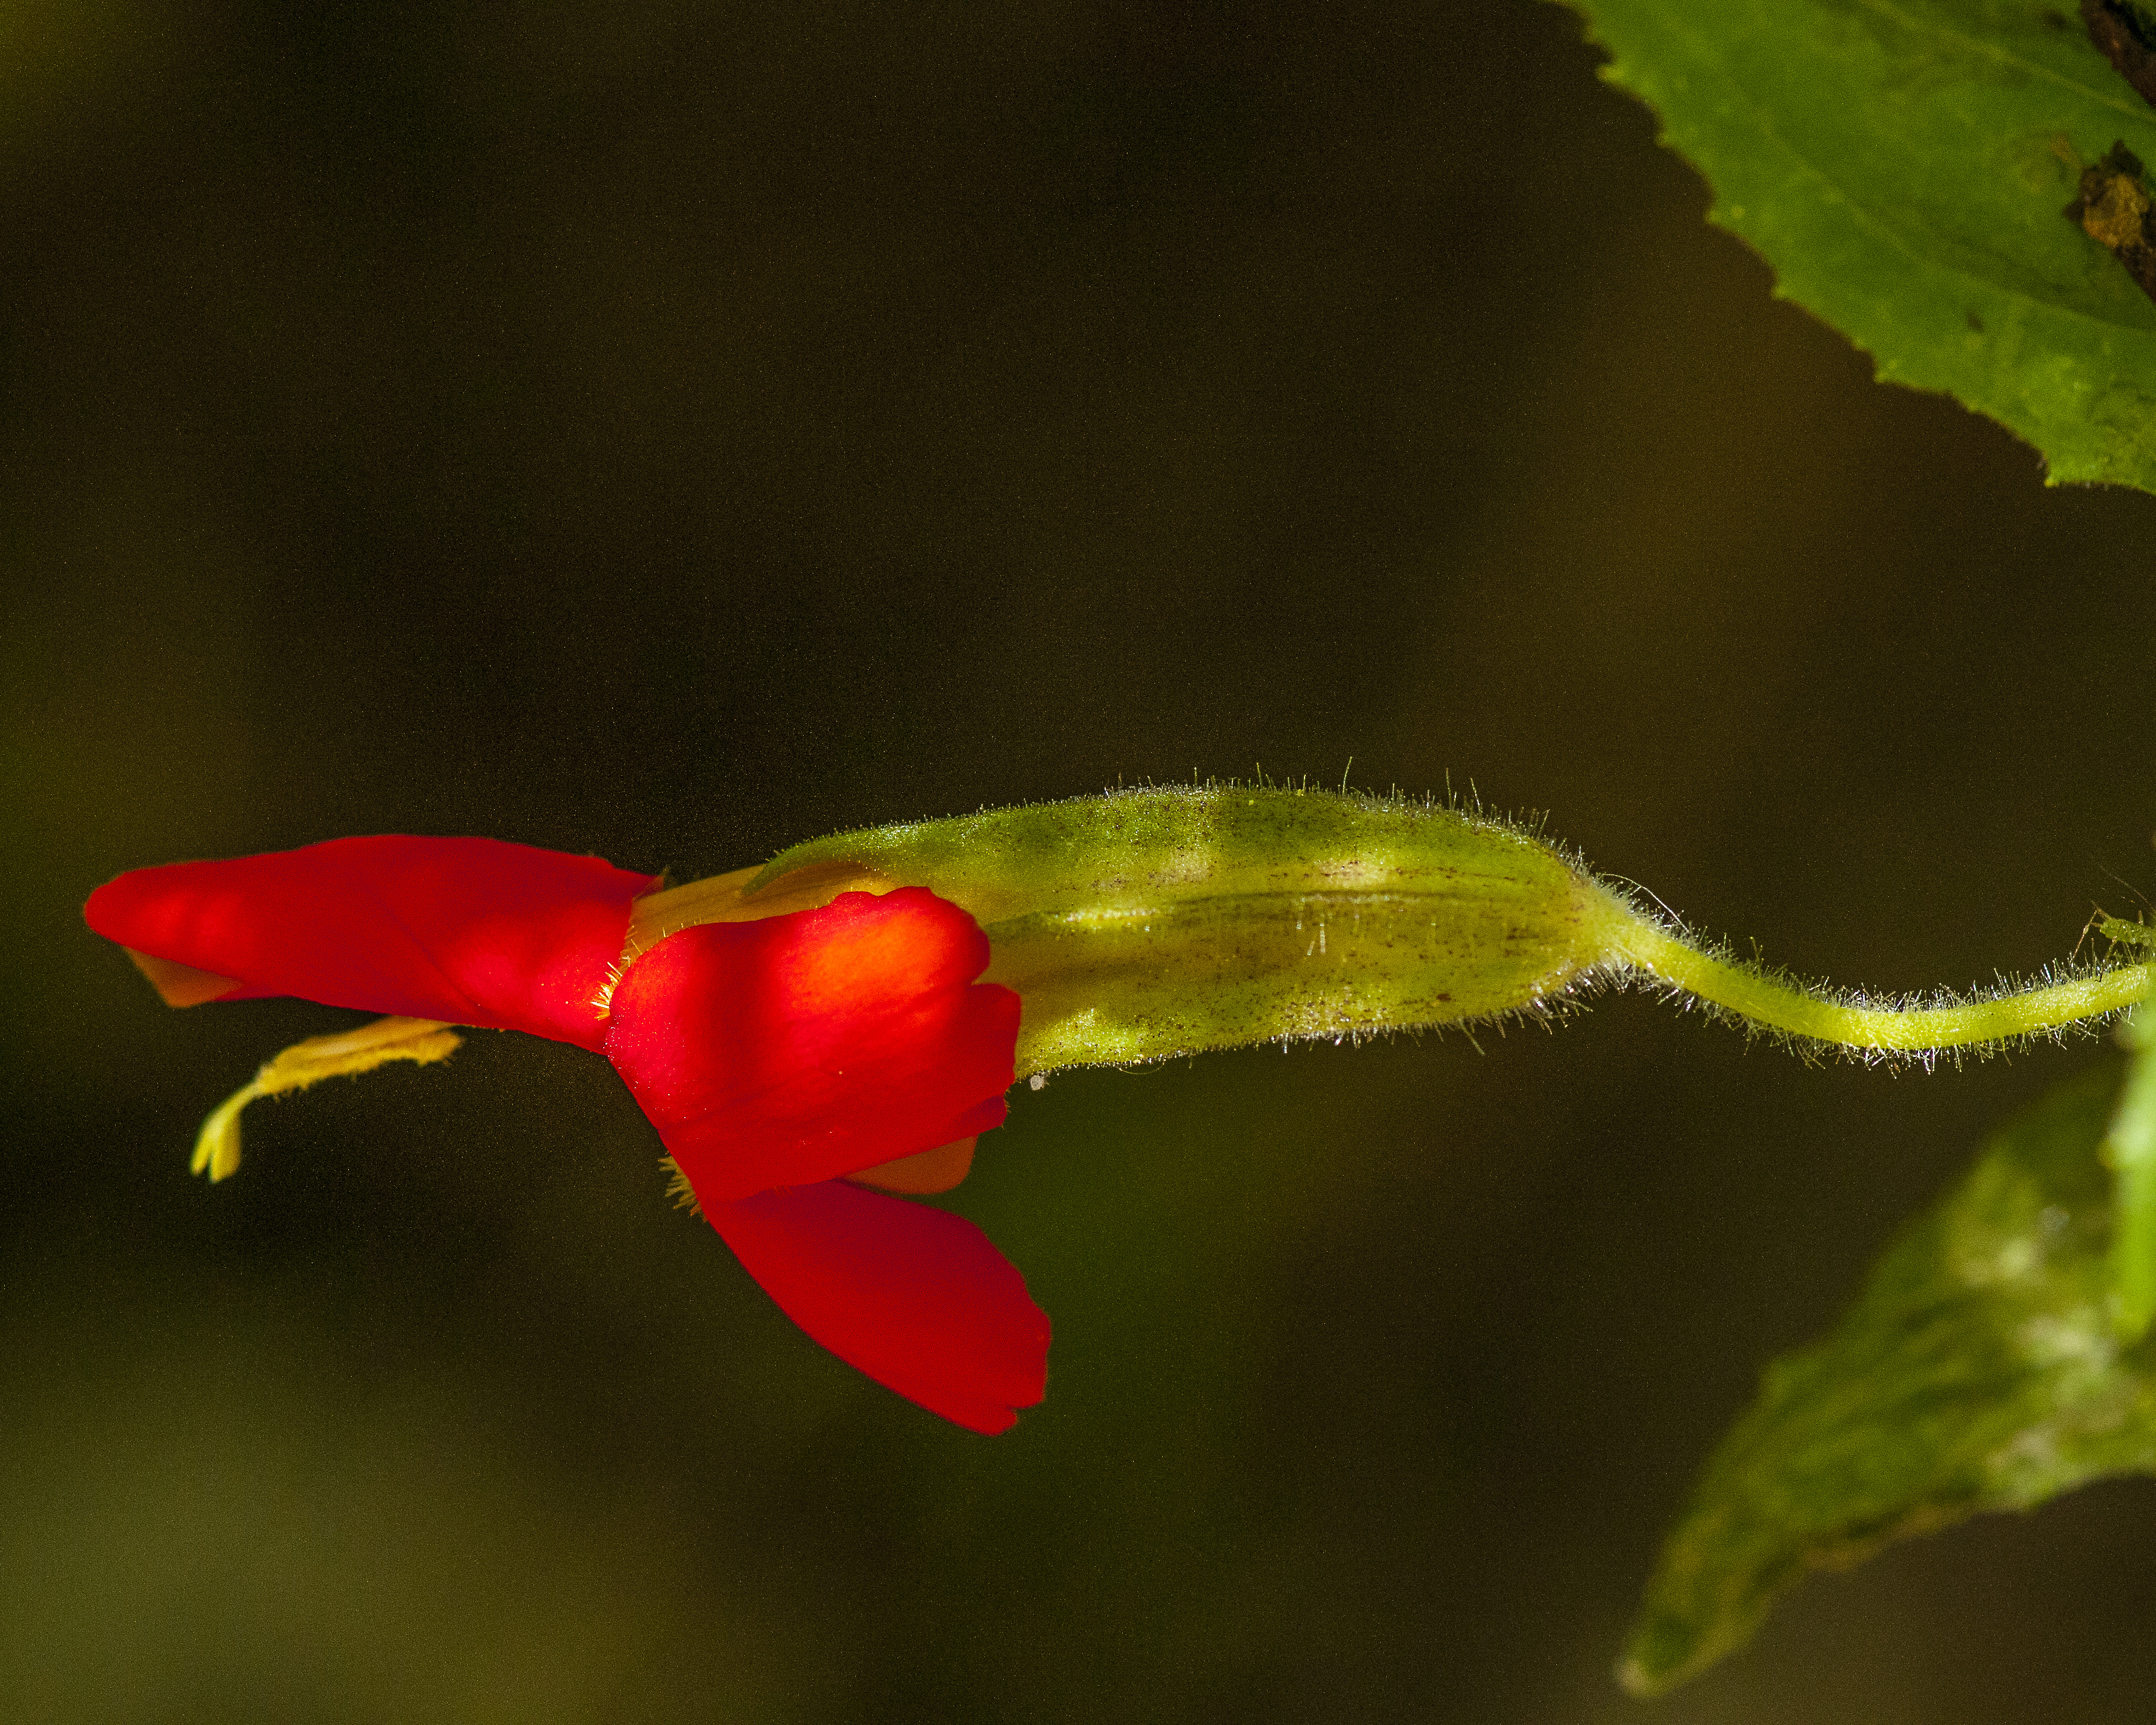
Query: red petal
[[916, 1297], [468, 931], [786, 1051]]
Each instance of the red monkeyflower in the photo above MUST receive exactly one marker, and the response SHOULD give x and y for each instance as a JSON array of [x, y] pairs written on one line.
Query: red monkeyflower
[[790, 1063]]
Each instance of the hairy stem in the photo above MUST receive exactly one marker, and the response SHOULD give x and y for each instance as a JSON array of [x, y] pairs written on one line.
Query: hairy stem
[[1905, 1029]]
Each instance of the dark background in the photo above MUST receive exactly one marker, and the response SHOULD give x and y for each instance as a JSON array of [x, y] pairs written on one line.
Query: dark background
[[674, 430]]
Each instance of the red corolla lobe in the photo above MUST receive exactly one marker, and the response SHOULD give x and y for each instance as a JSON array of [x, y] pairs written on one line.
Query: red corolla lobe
[[467, 931], [916, 1297], [814, 1044]]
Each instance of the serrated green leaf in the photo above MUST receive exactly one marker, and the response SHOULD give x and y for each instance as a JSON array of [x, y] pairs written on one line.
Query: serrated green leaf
[[1903, 168], [1980, 1369]]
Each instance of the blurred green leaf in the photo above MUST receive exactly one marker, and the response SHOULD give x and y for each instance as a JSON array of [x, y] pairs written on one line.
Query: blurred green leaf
[[1978, 1370], [1903, 168]]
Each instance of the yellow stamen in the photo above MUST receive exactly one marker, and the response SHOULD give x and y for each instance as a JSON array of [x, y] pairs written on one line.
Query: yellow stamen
[[352, 1052]]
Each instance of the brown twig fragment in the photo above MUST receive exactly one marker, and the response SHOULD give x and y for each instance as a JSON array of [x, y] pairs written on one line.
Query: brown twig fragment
[[2113, 210], [2122, 35]]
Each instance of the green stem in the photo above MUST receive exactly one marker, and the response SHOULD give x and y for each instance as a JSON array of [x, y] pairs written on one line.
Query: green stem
[[1903, 1029]]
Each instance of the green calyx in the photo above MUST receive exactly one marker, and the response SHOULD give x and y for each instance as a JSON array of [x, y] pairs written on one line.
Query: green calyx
[[1169, 920]]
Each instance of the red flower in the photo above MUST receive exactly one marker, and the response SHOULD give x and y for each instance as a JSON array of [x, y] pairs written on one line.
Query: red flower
[[776, 1058]]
